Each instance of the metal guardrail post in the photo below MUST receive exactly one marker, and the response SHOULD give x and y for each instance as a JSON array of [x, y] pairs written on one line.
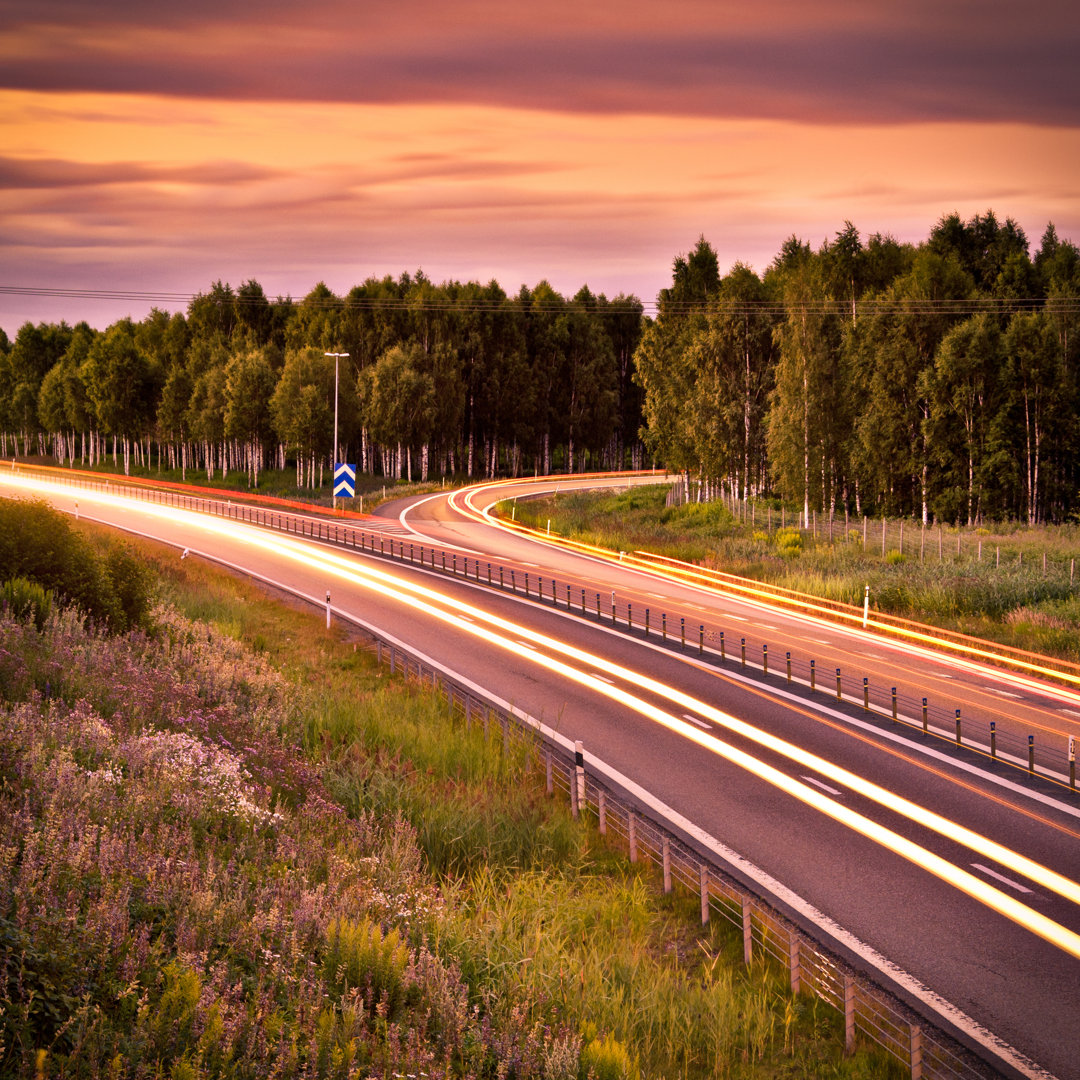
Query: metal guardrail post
[[849, 1013], [915, 1051], [747, 931]]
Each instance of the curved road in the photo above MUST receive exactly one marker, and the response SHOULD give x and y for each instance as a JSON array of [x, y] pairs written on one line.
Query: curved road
[[961, 872]]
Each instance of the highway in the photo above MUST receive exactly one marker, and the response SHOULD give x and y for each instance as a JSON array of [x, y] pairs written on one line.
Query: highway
[[962, 872]]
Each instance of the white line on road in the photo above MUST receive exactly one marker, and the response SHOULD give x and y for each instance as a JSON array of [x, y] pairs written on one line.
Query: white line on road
[[739, 617], [1070, 712], [695, 720], [1003, 693], [1001, 877], [824, 787], [602, 678]]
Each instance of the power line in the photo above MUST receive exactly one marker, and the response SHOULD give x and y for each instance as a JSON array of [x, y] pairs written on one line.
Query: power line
[[618, 306]]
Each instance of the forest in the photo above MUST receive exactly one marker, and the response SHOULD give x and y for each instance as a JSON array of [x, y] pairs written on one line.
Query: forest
[[935, 380]]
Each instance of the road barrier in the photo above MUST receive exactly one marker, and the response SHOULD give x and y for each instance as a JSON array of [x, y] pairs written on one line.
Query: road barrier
[[868, 1002]]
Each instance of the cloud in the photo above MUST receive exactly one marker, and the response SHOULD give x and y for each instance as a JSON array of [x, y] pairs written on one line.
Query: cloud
[[825, 62]]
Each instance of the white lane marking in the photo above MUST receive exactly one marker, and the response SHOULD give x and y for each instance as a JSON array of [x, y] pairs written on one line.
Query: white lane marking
[[602, 678], [526, 645], [820, 642], [872, 656], [766, 626], [824, 787], [656, 595], [1070, 712], [695, 720], [1003, 693], [1001, 877], [465, 618], [944, 675], [739, 617]]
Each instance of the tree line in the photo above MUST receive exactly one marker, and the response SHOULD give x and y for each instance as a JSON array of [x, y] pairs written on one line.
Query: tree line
[[439, 380], [936, 380]]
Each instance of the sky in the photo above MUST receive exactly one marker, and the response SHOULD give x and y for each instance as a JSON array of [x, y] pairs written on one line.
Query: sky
[[155, 149]]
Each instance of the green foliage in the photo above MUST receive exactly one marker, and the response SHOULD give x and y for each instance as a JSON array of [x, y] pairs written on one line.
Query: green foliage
[[607, 1059], [26, 600], [789, 543], [38, 544], [358, 955]]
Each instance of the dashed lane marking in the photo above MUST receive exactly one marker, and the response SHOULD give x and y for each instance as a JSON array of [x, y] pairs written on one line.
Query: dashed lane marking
[[1002, 878], [824, 787], [695, 720]]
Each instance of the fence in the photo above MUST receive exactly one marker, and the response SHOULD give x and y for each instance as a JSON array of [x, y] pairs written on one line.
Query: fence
[[648, 829]]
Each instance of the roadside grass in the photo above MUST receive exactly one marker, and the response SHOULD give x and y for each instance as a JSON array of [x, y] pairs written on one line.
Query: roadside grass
[[998, 587], [236, 847]]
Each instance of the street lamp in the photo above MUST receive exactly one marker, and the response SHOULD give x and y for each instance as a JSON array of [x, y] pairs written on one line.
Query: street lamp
[[333, 457]]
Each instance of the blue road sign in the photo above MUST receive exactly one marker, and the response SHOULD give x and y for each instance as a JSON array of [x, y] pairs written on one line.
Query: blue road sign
[[345, 480]]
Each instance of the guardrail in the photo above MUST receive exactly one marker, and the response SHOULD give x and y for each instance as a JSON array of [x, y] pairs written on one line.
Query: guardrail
[[1051, 756], [620, 809], [595, 792]]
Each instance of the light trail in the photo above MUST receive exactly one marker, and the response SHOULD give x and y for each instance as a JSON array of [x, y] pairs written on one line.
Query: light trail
[[453, 612], [918, 643]]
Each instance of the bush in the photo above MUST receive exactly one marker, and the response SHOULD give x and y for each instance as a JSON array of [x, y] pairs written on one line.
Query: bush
[[26, 600], [38, 544], [789, 543]]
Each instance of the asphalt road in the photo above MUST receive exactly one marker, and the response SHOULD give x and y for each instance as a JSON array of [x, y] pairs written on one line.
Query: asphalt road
[[864, 819]]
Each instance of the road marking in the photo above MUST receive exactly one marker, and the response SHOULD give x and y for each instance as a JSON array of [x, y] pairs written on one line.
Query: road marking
[[820, 642], [872, 656], [1001, 877], [465, 618], [656, 595], [766, 626], [739, 617], [1003, 693], [695, 720], [944, 675], [602, 678], [526, 645], [1070, 712], [824, 787]]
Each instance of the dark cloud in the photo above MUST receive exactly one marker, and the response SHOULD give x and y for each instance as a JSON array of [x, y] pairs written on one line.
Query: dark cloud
[[831, 61]]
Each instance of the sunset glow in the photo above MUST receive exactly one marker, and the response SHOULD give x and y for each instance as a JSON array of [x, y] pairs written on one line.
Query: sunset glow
[[480, 142]]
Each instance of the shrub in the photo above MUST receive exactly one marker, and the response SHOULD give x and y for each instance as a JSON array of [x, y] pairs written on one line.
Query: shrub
[[789, 543], [26, 600], [607, 1059], [37, 543], [894, 557]]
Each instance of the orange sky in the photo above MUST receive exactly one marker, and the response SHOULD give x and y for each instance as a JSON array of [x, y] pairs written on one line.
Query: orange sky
[[160, 152]]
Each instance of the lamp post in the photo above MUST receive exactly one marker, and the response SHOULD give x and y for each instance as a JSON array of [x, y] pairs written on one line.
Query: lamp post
[[333, 457]]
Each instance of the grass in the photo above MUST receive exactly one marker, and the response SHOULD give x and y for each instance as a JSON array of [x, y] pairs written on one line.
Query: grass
[[237, 847], [1008, 583]]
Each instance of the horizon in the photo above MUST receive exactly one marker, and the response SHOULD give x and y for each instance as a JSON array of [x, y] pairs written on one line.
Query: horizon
[[334, 145]]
